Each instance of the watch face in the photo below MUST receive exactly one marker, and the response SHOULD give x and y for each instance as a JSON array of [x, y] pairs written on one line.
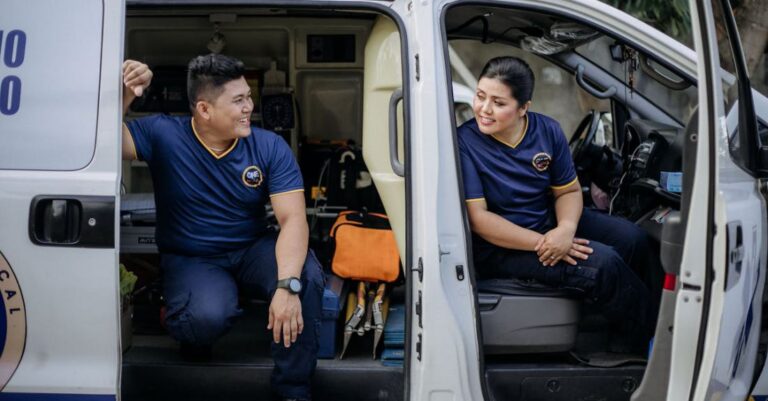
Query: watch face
[[295, 285]]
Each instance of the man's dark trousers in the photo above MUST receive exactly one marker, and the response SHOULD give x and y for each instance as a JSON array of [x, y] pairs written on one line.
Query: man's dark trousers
[[607, 277], [201, 295]]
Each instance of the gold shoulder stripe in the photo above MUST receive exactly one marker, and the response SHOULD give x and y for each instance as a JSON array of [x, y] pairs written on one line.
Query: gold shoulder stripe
[[566, 185], [133, 143], [286, 192]]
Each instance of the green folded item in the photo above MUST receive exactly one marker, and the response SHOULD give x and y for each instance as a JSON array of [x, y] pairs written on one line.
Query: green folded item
[[127, 281]]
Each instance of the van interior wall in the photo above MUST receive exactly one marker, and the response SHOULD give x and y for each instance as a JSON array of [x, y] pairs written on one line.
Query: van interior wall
[[323, 58], [328, 92]]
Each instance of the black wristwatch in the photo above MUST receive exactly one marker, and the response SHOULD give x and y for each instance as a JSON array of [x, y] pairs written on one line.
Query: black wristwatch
[[292, 284]]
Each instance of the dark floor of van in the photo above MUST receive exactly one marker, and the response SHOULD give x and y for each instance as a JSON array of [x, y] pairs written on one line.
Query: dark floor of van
[[240, 369], [241, 365]]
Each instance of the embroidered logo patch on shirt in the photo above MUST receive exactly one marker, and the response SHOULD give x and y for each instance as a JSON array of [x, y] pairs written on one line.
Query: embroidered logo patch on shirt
[[541, 161], [252, 176]]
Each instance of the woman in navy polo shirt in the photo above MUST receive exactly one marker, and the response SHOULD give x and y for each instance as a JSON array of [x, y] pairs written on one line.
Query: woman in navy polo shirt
[[525, 206]]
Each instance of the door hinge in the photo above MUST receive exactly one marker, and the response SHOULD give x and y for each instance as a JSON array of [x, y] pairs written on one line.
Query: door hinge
[[419, 269]]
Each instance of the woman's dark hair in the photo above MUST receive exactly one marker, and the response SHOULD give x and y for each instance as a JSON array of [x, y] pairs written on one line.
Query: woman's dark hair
[[514, 73], [207, 75]]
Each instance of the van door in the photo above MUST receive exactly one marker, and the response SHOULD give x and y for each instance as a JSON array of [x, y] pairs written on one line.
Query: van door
[[723, 265], [60, 80]]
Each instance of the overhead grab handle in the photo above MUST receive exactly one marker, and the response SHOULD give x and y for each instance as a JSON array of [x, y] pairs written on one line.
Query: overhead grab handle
[[397, 167], [591, 89]]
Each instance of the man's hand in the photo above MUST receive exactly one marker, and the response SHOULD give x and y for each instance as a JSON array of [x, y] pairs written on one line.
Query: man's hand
[[559, 244], [136, 77], [285, 317]]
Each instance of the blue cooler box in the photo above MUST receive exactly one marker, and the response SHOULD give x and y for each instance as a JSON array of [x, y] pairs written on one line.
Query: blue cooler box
[[332, 304]]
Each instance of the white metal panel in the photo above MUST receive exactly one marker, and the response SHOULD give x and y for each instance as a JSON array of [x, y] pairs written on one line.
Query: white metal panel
[[71, 294], [46, 132], [448, 336]]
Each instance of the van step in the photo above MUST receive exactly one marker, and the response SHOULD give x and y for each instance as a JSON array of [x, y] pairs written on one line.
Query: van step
[[241, 366], [190, 382], [562, 382]]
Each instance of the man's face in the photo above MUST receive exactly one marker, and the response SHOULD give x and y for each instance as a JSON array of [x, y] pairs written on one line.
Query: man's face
[[230, 113]]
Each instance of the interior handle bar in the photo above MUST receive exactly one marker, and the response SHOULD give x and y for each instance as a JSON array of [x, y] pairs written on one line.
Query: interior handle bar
[[591, 89], [394, 160]]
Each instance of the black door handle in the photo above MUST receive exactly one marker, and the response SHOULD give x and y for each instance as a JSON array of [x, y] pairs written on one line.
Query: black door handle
[[79, 221], [60, 221]]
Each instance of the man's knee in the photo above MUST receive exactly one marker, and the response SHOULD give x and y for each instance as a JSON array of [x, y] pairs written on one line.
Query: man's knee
[[201, 322]]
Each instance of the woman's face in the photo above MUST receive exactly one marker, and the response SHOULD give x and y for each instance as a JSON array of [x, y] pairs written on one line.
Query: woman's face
[[496, 111]]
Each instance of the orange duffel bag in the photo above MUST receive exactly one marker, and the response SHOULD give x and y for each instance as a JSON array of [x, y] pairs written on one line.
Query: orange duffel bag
[[364, 247]]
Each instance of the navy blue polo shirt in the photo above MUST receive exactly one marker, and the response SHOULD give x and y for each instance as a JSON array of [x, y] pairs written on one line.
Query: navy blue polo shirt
[[516, 180], [209, 204]]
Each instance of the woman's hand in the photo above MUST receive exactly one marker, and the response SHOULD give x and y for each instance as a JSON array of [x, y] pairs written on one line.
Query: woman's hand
[[549, 253], [559, 244], [579, 250], [554, 245]]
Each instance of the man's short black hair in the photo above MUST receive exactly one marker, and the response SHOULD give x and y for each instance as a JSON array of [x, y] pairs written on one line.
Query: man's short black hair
[[207, 75]]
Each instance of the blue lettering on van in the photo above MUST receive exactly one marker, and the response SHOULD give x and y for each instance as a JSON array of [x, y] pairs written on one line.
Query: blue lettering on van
[[13, 48], [10, 95]]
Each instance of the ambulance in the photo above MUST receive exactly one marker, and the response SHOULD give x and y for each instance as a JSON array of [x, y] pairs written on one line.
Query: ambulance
[[674, 138]]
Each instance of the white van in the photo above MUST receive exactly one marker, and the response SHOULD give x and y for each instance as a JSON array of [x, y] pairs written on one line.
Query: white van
[[381, 73]]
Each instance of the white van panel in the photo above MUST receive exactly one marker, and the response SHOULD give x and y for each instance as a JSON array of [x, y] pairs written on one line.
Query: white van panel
[[70, 292], [50, 56]]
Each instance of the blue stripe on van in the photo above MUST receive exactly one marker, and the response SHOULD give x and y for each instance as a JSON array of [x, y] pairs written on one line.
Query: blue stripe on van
[[57, 397]]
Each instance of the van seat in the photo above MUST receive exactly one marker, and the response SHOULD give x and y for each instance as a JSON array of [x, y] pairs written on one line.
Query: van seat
[[523, 316]]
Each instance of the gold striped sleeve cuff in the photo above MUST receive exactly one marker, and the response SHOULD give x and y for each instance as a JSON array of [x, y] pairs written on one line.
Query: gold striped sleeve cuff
[[286, 192], [566, 185], [474, 200]]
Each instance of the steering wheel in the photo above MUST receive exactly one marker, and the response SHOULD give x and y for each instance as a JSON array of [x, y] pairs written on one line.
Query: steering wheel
[[584, 135]]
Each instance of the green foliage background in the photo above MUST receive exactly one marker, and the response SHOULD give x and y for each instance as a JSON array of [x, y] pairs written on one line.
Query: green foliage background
[[672, 17]]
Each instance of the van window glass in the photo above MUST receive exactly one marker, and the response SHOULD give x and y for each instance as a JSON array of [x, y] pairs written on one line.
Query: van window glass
[[49, 83], [555, 94], [603, 51], [673, 17], [730, 79]]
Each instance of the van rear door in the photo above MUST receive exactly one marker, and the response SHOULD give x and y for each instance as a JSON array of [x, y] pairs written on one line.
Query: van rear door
[[718, 314], [60, 74]]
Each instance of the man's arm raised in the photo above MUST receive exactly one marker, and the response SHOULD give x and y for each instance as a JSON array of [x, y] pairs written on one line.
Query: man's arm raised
[[136, 78]]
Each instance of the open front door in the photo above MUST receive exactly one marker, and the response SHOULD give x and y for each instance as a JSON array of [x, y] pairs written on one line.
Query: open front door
[[60, 65], [723, 267]]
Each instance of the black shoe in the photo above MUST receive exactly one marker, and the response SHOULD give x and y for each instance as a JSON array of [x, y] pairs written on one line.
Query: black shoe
[[196, 353]]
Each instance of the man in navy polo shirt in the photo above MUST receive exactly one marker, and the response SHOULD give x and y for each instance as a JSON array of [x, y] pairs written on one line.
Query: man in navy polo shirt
[[213, 173]]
